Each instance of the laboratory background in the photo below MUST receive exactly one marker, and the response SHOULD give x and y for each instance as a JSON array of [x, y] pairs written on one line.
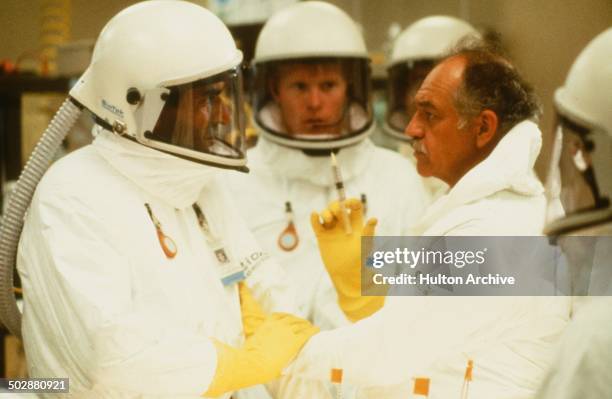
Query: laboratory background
[[46, 44]]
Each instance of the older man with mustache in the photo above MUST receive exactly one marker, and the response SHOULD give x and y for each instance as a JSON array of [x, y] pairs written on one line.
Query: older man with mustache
[[473, 128]]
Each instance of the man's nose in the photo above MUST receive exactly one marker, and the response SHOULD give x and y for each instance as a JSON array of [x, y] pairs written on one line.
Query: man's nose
[[220, 112], [414, 129], [314, 99]]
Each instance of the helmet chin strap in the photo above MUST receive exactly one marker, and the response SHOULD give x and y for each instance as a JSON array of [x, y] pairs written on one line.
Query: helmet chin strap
[[320, 153]]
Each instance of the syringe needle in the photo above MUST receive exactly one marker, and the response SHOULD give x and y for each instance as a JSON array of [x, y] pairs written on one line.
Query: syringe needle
[[346, 222]]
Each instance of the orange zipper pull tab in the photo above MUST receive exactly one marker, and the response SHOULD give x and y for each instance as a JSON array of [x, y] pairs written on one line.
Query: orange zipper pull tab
[[167, 244], [288, 238]]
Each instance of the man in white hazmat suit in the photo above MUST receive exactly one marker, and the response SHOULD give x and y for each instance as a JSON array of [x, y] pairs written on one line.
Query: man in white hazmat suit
[[131, 248], [311, 98], [415, 52], [581, 178], [473, 129]]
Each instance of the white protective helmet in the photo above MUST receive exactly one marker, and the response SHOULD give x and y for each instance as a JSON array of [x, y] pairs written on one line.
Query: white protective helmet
[[167, 75], [581, 170], [415, 51], [322, 40]]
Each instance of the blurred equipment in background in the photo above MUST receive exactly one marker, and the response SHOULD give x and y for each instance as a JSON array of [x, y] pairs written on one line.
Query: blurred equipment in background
[[74, 57], [244, 12], [54, 31]]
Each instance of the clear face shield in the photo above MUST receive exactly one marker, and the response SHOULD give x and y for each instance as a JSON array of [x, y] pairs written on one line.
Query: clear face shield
[[202, 120], [403, 83], [313, 103], [581, 173], [579, 185]]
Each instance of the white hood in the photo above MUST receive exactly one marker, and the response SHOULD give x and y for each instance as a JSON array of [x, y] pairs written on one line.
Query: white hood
[[292, 163], [509, 167], [175, 181]]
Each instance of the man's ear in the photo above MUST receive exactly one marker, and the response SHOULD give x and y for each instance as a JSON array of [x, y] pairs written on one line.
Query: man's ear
[[487, 124]]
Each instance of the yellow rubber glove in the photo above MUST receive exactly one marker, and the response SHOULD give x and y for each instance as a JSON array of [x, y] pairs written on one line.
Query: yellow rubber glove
[[252, 314], [263, 356], [341, 254]]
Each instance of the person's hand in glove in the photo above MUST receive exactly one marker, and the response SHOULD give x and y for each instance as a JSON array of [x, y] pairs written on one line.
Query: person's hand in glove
[[265, 353], [341, 254]]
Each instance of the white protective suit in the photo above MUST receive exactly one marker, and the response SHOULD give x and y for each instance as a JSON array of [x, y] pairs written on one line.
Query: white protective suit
[[103, 305], [394, 192], [510, 339], [582, 367]]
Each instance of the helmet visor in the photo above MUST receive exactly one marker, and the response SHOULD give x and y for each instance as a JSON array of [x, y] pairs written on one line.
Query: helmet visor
[[203, 120], [403, 83], [581, 171], [312, 100]]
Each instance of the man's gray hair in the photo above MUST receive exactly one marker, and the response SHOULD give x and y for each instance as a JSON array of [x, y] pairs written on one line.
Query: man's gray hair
[[491, 82]]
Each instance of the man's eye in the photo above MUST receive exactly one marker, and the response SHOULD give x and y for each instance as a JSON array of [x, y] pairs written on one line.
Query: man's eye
[[429, 116], [213, 94], [328, 86], [300, 86]]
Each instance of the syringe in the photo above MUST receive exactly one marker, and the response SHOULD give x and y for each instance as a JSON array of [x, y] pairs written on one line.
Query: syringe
[[346, 222]]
